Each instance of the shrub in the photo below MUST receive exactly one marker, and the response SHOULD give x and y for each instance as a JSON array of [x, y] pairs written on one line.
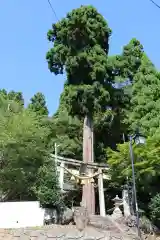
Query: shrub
[[154, 207]]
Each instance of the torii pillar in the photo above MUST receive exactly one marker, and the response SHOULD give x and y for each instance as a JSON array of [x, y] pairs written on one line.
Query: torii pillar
[[88, 193]]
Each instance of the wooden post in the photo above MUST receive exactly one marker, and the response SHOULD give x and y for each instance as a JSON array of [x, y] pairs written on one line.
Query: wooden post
[[88, 193], [101, 194], [61, 176]]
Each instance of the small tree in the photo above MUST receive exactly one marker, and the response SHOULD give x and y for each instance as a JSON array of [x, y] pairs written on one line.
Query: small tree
[[46, 188], [38, 104]]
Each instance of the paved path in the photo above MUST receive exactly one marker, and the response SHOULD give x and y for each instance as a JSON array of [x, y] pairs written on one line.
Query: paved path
[[53, 232], [57, 232]]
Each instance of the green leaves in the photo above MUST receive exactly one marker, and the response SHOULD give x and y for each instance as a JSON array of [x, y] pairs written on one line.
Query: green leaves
[[144, 104], [23, 150], [155, 208], [26, 140], [46, 188], [146, 160], [119, 162], [38, 104], [81, 47], [85, 99], [78, 29], [87, 66], [66, 131]]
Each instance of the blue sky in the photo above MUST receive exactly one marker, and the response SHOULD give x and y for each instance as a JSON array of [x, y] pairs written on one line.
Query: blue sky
[[23, 42]]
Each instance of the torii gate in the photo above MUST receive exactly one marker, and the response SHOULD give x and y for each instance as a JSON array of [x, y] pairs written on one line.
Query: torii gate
[[99, 173], [88, 193]]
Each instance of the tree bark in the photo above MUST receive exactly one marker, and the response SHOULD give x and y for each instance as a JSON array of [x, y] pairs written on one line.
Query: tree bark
[[88, 194]]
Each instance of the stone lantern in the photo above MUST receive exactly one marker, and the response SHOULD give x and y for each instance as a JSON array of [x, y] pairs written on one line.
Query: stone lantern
[[117, 213]]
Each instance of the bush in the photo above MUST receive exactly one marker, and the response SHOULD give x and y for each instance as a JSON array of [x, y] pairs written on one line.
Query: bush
[[154, 207]]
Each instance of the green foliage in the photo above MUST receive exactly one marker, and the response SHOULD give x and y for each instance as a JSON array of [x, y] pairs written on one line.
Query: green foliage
[[6, 106], [81, 47], [25, 169], [138, 107], [12, 96], [146, 162], [146, 158], [85, 99], [66, 131], [119, 163], [16, 96], [145, 104], [74, 35], [38, 104], [131, 58], [155, 208], [46, 188], [11, 100], [23, 151], [113, 123]]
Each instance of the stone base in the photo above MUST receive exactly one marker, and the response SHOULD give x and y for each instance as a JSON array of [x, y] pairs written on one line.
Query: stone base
[[117, 214], [81, 218]]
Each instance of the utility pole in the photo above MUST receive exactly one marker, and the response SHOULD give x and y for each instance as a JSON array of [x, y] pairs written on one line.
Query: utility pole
[[134, 186]]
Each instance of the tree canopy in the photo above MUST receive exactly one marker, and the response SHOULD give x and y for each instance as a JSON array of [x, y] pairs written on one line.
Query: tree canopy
[[23, 151], [81, 48], [144, 108], [38, 104]]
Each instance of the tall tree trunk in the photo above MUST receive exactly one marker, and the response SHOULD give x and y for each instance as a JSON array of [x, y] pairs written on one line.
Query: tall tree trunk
[[88, 194]]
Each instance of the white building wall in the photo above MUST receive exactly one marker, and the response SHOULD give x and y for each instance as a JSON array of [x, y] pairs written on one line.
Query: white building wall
[[21, 214]]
